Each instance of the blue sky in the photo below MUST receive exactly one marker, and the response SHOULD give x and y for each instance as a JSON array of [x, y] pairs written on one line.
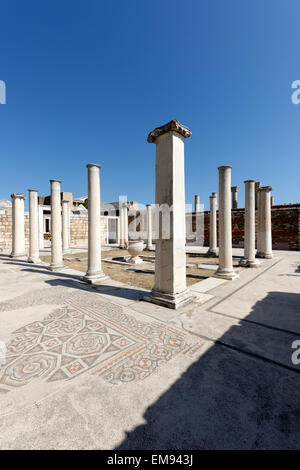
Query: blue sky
[[87, 80]]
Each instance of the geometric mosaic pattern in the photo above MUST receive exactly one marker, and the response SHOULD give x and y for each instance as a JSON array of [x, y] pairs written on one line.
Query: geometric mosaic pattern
[[75, 339]]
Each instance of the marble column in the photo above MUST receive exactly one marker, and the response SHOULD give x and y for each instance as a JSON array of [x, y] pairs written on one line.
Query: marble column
[[56, 235], [234, 194], [65, 226], [249, 226], [272, 201], [170, 289], [258, 185], [18, 229], [34, 245], [94, 272], [213, 250], [125, 209], [121, 225], [225, 270], [264, 249], [197, 203], [149, 227]]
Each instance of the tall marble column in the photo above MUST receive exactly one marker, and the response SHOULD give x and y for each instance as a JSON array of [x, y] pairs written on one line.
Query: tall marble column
[[264, 249], [272, 201], [234, 193], [258, 185], [170, 289], [18, 229], [94, 272], [149, 227], [56, 234], [34, 245], [121, 225], [65, 226], [249, 226], [225, 269], [197, 203], [213, 250]]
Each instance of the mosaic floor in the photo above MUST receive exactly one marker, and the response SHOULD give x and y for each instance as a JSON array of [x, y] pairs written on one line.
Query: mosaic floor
[[75, 339]]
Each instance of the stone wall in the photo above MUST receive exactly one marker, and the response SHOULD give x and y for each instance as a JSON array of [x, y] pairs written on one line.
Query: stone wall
[[6, 229], [285, 227], [79, 229]]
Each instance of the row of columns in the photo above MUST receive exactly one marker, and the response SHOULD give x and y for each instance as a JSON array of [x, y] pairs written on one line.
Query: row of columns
[[59, 226]]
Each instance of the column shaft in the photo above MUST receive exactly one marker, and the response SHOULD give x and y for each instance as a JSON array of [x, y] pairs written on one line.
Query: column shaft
[[249, 226], [56, 228], [197, 203], [34, 249], [149, 227], [213, 250], [225, 269], [18, 229], [264, 249], [94, 272]]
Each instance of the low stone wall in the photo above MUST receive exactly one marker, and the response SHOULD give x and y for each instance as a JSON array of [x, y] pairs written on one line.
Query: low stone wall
[[79, 229]]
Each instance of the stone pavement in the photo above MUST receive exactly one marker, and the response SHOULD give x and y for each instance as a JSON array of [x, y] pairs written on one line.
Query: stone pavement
[[96, 367]]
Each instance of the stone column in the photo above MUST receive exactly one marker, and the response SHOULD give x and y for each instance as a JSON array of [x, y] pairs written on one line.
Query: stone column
[[170, 288], [225, 269], [197, 203], [41, 228], [149, 227], [213, 250], [249, 226], [56, 235], [18, 229], [234, 193], [121, 225], [264, 249], [126, 209], [34, 245], [257, 186], [65, 226], [272, 201], [94, 272]]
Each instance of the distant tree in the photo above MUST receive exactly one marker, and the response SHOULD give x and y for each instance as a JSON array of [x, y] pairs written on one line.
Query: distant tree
[[86, 203]]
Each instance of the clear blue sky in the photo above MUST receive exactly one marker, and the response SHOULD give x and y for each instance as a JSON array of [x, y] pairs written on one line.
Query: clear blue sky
[[87, 80]]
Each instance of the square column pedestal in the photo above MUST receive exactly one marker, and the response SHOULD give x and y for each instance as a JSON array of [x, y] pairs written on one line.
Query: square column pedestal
[[170, 288]]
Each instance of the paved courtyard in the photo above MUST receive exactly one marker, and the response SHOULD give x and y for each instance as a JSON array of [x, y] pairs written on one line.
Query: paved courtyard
[[96, 367]]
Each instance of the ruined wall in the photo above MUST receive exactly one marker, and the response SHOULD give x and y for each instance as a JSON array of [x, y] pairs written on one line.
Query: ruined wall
[[79, 229], [285, 227]]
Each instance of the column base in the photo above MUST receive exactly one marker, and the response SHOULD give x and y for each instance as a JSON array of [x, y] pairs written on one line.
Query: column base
[[18, 255], [212, 253], [55, 267], [223, 274], [33, 260], [246, 263], [261, 254], [173, 301], [64, 252], [94, 278], [149, 247]]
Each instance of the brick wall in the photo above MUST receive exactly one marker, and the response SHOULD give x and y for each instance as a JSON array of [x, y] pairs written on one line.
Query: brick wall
[[285, 227], [79, 229]]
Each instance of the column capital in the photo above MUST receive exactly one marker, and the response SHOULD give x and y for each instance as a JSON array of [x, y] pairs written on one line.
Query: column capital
[[224, 167], [32, 190], [258, 184], [249, 181], [91, 165], [234, 189], [266, 188], [172, 126], [148, 205], [55, 181], [18, 196], [213, 195]]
